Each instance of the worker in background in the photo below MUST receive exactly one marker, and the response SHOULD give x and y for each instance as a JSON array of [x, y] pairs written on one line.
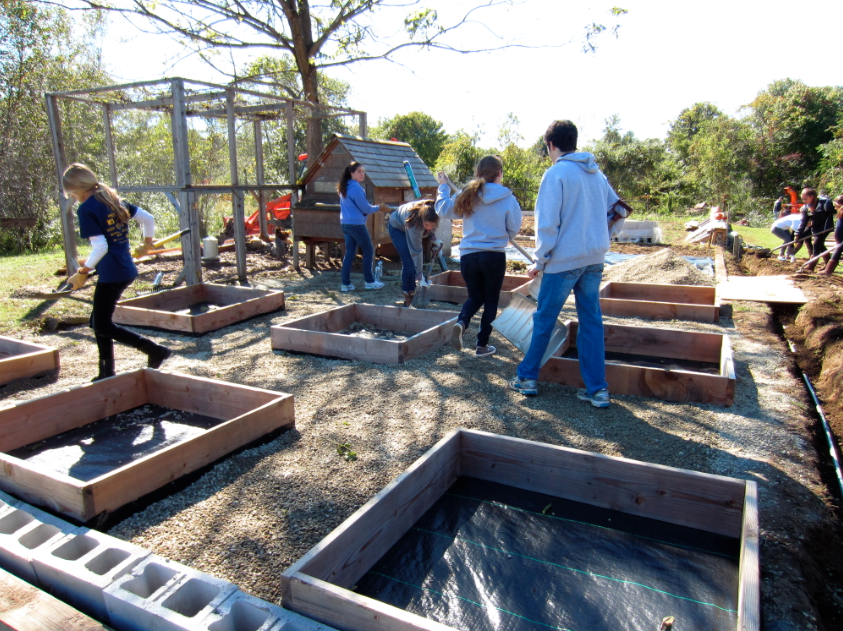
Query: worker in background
[[104, 220], [571, 245], [817, 214], [785, 228], [408, 227], [354, 209], [838, 237], [777, 207]]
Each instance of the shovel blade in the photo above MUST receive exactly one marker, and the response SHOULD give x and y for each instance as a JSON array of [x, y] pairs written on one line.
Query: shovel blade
[[420, 299], [515, 323]]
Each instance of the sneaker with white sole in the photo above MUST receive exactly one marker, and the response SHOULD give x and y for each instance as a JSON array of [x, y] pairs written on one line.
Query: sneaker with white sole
[[524, 386], [346, 287], [483, 351], [375, 285], [456, 335], [792, 259], [599, 399]]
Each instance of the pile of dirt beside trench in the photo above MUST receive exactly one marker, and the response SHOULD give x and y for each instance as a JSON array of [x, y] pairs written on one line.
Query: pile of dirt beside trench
[[662, 267], [819, 332]]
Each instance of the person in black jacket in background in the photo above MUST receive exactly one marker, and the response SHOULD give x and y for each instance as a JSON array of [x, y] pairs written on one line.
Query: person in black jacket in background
[[818, 215]]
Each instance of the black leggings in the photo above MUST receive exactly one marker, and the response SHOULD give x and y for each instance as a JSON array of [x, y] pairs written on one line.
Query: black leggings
[[106, 296], [483, 274]]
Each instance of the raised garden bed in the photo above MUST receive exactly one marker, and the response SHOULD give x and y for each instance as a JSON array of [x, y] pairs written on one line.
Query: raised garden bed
[[660, 302], [19, 359], [417, 577], [450, 287], [665, 364], [322, 333], [229, 416], [197, 308]]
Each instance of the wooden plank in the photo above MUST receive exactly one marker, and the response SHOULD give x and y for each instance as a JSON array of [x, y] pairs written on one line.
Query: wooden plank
[[109, 145], [42, 487], [168, 300], [686, 294], [749, 586], [27, 608], [17, 222], [450, 287], [145, 475], [778, 289], [721, 274], [658, 310], [427, 340], [355, 546], [136, 316], [19, 359], [400, 318], [657, 342], [28, 422], [238, 312], [687, 498], [68, 231], [348, 611]]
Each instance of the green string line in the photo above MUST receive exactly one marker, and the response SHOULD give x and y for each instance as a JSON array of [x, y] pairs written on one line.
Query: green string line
[[585, 523], [573, 569], [421, 587]]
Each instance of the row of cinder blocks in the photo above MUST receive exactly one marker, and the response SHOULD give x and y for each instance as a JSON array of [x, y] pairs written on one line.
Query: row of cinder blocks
[[124, 585]]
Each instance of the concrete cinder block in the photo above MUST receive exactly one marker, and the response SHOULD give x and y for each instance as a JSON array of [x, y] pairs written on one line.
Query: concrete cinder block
[[242, 612], [160, 595], [297, 622], [24, 531], [78, 567]]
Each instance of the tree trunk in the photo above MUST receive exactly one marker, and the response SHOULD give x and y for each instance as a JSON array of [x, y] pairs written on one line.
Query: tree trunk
[[310, 81]]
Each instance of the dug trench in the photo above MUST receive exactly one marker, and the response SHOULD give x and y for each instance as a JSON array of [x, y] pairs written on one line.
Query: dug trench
[[815, 331]]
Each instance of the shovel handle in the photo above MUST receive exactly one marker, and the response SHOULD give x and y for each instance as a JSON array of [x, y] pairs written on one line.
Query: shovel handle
[[528, 256]]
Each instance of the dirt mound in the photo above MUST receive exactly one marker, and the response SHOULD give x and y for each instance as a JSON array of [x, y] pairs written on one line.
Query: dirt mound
[[662, 267]]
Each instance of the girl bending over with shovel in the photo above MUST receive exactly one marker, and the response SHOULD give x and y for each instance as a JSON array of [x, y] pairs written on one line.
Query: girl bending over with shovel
[[490, 217], [104, 220], [408, 226]]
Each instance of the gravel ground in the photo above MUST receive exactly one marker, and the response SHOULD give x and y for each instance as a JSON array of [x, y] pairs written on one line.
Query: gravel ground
[[251, 515]]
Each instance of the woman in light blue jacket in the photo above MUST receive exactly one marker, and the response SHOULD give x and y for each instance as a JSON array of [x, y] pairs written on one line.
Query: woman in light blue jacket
[[490, 217], [354, 208]]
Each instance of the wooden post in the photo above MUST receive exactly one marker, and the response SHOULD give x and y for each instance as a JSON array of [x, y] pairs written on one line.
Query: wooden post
[[291, 158], [187, 215], [109, 145], [260, 177], [237, 202], [362, 126], [68, 231]]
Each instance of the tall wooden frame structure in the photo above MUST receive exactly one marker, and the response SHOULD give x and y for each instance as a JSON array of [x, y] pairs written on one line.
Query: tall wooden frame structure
[[182, 99]]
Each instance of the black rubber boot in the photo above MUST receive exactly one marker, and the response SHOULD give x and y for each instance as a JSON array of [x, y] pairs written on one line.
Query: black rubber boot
[[408, 298], [830, 267], [157, 355], [106, 369]]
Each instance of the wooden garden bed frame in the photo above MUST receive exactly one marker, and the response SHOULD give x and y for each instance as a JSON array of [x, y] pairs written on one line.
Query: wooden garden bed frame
[[19, 359], [318, 334], [319, 584], [247, 414], [450, 287], [660, 302], [661, 383], [156, 310]]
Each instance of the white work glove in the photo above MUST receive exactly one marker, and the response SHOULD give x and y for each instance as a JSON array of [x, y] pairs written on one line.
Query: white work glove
[[423, 283]]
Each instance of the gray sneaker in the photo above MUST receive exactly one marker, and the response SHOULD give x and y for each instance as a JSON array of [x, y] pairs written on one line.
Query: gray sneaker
[[524, 386], [375, 285], [483, 351], [347, 287], [599, 399], [456, 335]]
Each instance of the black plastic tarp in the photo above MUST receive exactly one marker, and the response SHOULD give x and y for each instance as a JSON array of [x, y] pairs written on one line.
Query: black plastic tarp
[[489, 556]]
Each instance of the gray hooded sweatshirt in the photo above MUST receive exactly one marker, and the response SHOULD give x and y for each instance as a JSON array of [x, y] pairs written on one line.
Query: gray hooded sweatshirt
[[574, 197], [495, 220]]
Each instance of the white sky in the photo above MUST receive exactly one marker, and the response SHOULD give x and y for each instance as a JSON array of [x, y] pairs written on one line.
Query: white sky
[[669, 55]]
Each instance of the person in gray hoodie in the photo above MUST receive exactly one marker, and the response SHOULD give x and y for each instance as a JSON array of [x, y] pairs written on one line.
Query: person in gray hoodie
[[491, 217], [408, 227], [571, 243]]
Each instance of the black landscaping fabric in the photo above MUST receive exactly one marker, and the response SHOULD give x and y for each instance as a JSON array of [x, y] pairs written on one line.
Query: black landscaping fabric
[[100, 447], [490, 556]]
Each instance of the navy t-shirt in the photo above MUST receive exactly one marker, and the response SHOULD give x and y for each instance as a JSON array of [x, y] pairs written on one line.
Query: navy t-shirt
[[96, 218]]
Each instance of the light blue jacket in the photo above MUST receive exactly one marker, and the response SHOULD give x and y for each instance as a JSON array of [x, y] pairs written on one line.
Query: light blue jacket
[[495, 220], [574, 197], [354, 206]]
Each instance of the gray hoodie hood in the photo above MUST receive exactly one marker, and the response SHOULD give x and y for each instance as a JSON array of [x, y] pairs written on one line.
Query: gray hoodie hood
[[584, 160], [494, 192]]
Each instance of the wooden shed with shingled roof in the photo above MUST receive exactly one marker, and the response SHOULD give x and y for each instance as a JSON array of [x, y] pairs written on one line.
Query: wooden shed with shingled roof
[[316, 216]]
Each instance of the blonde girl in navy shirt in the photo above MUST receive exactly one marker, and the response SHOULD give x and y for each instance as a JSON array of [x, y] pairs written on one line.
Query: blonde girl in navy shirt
[[104, 220]]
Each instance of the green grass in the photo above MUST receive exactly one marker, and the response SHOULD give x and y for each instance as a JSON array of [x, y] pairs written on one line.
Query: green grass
[[36, 271], [758, 236]]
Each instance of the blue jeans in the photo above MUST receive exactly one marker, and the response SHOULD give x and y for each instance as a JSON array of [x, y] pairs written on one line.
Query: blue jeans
[[555, 289], [786, 236], [357, 235], [483, 274], [408, 266]]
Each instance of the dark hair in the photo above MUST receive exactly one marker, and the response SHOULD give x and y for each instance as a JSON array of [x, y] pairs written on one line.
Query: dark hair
[[487, 170], [563, 135], [422, 211], [809, 191], [342, 185]]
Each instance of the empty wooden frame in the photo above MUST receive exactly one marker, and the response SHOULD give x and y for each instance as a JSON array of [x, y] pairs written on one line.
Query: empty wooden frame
[[450, 287], [19, 359], [319, 334], [670, 384], [319, 584], [170, 309], [660, 302], [246, 414]]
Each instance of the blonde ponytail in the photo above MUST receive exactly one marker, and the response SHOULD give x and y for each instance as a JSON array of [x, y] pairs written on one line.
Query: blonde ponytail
[[487, 170], [78, 178]]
